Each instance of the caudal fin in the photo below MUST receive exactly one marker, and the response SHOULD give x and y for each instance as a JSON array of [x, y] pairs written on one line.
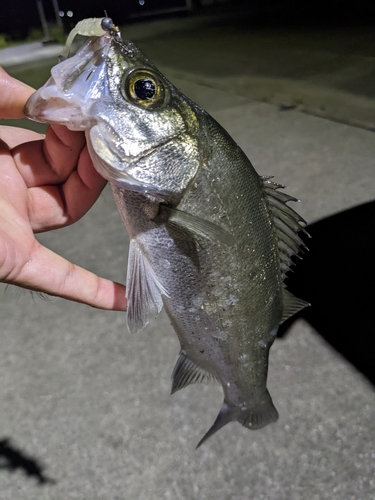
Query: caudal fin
[[226, 415], [261, 416], [254, 418]]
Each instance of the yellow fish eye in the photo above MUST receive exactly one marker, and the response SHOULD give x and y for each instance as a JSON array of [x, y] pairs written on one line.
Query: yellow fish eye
[[144, 88]]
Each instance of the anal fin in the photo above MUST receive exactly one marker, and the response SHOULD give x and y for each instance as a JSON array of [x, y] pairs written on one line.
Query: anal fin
[[186, 372]]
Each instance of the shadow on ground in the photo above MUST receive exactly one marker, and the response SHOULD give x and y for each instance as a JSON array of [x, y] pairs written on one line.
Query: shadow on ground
[[13, 459], [337, 277]]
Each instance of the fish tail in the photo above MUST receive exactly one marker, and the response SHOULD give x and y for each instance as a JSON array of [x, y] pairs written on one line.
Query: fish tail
[[226, 414], [254, 418], [259, 417]]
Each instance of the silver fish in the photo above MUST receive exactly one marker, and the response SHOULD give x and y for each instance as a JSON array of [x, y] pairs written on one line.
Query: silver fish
[[211, 240]]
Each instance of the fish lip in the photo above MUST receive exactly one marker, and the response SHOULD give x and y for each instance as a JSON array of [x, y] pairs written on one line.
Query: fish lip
[[43, 111], [54, 102], [50, 105]]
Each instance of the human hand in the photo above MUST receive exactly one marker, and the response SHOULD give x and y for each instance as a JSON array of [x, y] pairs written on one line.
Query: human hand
[[46, 183]]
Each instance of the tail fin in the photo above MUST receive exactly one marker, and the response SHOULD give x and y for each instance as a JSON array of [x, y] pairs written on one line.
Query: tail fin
[[254, 418], [226, 415], [260, 416]]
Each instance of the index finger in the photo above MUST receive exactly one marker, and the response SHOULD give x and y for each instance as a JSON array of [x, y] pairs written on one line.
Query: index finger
[[13, 96]]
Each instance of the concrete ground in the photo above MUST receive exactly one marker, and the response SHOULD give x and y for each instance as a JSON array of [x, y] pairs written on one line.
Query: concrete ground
[[85, 407]]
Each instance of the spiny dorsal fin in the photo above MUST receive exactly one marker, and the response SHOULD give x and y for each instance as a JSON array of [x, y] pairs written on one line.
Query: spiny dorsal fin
[[292, 305], [186, 372], [287, 223]]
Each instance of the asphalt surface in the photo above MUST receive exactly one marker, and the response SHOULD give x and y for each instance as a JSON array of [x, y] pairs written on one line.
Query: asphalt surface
[[85, 406]]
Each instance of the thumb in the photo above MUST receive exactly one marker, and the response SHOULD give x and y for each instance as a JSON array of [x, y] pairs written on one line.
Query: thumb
[[13, 96]]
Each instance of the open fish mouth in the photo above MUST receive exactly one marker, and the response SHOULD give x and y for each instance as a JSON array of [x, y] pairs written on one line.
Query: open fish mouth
[[75, 85], [51, 106]]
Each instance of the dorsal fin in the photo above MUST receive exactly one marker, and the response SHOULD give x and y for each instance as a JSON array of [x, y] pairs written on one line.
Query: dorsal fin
[[186, 372], [288, 224], [292, 305]]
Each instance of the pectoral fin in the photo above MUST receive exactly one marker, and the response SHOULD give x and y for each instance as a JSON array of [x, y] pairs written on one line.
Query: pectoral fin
[[197, 225], [143, 290]]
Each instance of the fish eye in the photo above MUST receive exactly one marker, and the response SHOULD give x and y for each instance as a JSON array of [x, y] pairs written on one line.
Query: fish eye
[[144, 88]]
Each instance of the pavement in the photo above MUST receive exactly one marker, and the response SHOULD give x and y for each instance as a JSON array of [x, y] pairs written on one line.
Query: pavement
[[28, 52], [85, 406]]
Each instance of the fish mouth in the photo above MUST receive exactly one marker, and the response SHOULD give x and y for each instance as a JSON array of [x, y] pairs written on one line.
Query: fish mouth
[[49, 105], [75, 85]]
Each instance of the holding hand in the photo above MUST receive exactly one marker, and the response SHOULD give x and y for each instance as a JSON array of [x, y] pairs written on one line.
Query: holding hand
[[45, 183]]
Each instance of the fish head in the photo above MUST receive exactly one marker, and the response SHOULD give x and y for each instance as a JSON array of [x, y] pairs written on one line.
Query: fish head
[[142, 133]]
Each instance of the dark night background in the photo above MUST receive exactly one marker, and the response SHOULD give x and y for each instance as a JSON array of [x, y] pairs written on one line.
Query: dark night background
[[19, 16]]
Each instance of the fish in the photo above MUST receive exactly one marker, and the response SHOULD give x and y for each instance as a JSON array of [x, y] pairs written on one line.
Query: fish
[[211, 240]]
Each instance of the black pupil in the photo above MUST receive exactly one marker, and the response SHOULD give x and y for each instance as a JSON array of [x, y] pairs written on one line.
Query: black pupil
[[144, 89]]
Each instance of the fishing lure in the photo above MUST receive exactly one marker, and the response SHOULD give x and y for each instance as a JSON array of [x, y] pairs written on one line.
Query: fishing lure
[[93, 26]]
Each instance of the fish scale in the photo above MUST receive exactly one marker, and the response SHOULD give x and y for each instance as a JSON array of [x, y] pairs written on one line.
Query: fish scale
[[211, 240]]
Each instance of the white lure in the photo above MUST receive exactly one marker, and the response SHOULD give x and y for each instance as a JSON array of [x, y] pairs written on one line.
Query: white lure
[[93, 26]]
